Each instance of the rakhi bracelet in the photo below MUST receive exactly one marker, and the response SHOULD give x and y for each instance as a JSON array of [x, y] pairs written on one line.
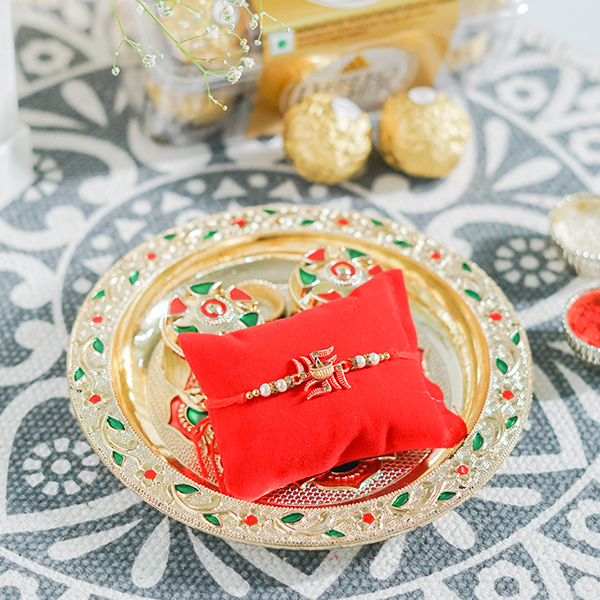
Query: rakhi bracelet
[[319, 373]]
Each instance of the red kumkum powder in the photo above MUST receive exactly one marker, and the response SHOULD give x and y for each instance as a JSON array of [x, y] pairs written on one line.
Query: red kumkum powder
[[584, 318]]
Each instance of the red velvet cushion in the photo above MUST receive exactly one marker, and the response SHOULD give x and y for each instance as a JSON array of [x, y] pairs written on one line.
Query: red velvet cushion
[[266, 443]]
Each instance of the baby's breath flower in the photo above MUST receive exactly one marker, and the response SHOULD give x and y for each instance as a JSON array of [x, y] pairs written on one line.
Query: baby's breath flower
[[115, 71], [248, 62], [141, 8], [254, 22], [165, 11], [149, 60], [234, 74], [227, 10], [212, 31]]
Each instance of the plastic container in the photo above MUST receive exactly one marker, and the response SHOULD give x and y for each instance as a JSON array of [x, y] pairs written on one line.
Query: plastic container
[[480, 37]]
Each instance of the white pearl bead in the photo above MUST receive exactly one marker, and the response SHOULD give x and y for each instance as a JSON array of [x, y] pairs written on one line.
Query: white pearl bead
[[265, 390], [360, 361], [281, 385], [374, 358]]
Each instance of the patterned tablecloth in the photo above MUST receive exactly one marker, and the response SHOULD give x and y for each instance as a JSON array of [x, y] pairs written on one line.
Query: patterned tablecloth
[[68, 528]]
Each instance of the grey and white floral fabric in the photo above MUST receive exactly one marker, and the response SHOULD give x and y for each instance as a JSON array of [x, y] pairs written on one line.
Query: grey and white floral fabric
[[69, 530]]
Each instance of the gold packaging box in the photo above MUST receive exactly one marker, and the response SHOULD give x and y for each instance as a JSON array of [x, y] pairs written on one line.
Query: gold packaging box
[[366, 52]]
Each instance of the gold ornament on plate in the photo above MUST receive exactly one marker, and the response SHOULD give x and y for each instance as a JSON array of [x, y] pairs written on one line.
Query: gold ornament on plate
[[327, 138], [423, 133], [328, 273]]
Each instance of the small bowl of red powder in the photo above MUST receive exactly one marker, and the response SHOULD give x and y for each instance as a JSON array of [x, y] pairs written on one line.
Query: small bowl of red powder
[[581, 321]]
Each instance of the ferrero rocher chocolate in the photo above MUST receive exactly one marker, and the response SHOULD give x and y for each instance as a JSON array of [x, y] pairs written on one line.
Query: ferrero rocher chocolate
[[326, 274], [327, 138], [423, 133]]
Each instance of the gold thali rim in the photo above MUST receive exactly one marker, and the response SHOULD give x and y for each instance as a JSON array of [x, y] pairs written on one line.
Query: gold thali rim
[[501, 422]]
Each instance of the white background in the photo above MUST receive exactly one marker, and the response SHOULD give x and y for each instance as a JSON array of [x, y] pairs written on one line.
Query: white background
[[576, 22]]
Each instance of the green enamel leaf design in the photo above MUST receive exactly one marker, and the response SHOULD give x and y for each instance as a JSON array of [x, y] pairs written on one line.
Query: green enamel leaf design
[[209, 234], [335, 533], [78, 374], [270, 211], [135, 275], [249, 319], [202, 288], [98, 295], [352, 253], [115, 423], [118, 458], [377, 222], [402, 244], [98, 345], [188, 329], [502, 366], [292, 518], [169, 236], [186, 488], [446, 496], [307, 221], [306, 277], [401, 500], [510, 422], [473, 294], [466, 267], [477, 441], [195, 416], [516, 338], [212, 519]]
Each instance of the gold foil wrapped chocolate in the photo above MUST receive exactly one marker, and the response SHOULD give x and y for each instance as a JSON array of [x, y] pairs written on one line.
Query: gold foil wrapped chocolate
[[423, 133], [327, 138], [326, 274]]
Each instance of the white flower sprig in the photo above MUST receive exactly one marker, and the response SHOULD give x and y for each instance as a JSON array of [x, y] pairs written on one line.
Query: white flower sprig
[[220, 66]]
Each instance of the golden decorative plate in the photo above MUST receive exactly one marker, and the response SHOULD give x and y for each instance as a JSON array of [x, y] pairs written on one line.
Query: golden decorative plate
[[474, 348]]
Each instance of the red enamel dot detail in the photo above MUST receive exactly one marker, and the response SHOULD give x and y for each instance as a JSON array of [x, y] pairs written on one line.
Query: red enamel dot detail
[[462, 470], [375, 270], [97, 319], [343, 269], [368, 518], [237, 294], [177, 307], [240, 222], [94, 399], [150, 256], [213, 308], [507, 395], [341, 222], [329, 296], [250, 520], [435, 255], [495, 316], [317, 255], [150, 474]]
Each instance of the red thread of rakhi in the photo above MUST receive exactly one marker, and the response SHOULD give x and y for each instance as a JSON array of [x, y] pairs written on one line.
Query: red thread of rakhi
[[321, 370]]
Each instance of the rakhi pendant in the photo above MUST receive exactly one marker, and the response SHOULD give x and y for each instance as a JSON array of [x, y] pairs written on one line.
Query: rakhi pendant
[[319, 373]]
